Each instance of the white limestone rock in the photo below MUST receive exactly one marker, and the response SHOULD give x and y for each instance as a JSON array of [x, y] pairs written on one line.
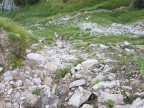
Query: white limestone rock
[[77, 83], [106, 84], [89, 64], [79, 97], [36, 57]]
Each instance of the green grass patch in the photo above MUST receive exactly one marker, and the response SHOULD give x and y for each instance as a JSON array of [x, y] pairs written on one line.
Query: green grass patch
[[19, 40], [36, 92], [126, 15], [111, 103], [45, 9], [94, 83], [62, 72], [78, 61], [140, 62]]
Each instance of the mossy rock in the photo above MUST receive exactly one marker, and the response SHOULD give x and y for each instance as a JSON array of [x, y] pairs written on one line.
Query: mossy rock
[[138, 4]]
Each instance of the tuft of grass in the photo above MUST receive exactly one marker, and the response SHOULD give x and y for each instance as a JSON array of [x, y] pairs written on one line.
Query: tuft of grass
[[62, 72], [111, 103], [140, 62], [94, 83], [78, 61], [36, 92]]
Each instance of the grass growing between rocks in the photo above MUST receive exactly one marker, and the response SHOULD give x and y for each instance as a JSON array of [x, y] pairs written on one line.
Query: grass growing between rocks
[[111, 103], [62, 72], [78, 61], [36, 92], [19, 40], [140, 62], [95, 82], [45, 9]]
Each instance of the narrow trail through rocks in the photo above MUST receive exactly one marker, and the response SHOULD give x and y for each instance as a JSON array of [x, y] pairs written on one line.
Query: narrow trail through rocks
[[93, 82], [90, 84]]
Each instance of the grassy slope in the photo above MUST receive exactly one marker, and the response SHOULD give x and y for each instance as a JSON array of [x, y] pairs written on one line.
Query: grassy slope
[[18, 38], [45, 10]]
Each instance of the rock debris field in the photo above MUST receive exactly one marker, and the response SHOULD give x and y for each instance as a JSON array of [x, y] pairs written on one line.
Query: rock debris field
[[91, 79]]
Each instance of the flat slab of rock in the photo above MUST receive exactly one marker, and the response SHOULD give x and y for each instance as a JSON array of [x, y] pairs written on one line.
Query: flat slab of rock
[[30, 100], [36, 57], [77, 83], [79, 97], [88, 64], [87, 106], [117, 98], [2, 88], [106, 85]]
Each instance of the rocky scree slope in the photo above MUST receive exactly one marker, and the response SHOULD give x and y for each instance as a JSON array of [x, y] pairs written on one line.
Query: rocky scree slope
[[59, 76], [90, 84]]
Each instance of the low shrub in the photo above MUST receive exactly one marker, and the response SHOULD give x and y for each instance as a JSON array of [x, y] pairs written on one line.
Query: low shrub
[[25, 2], [138, 4]]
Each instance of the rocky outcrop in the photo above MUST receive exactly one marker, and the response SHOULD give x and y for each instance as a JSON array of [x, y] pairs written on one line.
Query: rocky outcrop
[[7, 5], [4, 42]]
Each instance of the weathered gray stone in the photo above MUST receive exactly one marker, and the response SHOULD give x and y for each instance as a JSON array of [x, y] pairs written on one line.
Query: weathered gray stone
[[2, 88], [36, 57], [36, 81], [48, 81], [77, 83], [87, 106], [30, 100], [89, 64], [79, 97], [7, 5], [106, 85]]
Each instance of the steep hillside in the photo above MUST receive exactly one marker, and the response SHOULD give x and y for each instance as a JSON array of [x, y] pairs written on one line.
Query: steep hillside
[[88, 54]]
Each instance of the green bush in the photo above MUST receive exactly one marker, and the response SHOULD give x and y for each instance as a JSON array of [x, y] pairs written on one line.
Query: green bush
[[25, 2], [138, 4]]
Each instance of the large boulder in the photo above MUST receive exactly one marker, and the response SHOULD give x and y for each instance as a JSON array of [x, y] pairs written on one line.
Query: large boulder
[[7, 5]]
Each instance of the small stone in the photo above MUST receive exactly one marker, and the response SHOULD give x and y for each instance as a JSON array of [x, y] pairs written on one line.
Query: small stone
[[10, 91], [117, 98], [36, 81], [19, 83], [89, 64], [22, 98], [106, 84], [87, 106], [48, 81], [62, 89], [42, 76], [67, 77], [2, 88], [16, 105], [30, 99], [126, 43], [79, 97], [7, 76], [36, 57], [77, 83], [140, 94], [103, 46], [126, 87], [1, 69], [54, 89], [78, 67]]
